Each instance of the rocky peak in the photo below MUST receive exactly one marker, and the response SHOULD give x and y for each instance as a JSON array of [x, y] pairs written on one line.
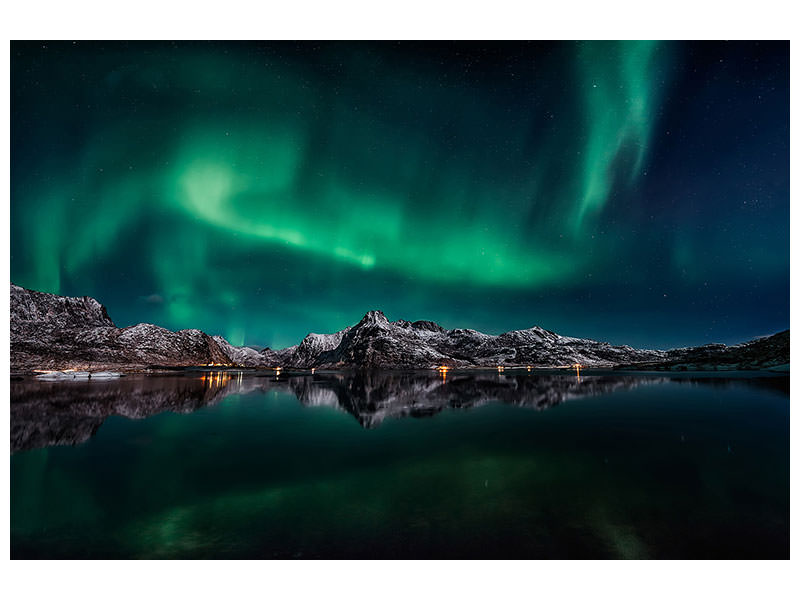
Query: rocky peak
[[428, 326], [532, 335], [420, 325], [374, 317], [50, 310]]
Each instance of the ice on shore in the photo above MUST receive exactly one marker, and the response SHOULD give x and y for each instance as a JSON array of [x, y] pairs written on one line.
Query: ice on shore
[[66, 375]]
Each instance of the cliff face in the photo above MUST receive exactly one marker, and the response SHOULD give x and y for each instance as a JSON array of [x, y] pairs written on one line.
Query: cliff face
[[54, 332]]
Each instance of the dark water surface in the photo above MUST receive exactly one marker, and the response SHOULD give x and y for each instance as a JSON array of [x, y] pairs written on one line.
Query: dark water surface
[[337, 466]]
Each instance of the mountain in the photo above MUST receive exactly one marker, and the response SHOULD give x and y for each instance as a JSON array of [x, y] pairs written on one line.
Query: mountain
[[54, 332], [771, 352], [377, 342], [247, 356]]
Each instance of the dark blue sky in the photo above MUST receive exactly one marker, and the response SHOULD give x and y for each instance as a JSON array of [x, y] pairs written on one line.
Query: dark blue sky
[[634, 192]]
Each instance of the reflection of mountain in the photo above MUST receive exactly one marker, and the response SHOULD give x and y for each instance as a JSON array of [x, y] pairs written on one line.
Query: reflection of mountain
[[372, 397], [69, 413], [59, 413]]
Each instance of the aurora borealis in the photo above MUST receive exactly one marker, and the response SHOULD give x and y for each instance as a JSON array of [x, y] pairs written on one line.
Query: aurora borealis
[[636, 192]]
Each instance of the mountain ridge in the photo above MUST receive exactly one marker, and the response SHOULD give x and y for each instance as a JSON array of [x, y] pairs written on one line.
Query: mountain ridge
[[56, 332]]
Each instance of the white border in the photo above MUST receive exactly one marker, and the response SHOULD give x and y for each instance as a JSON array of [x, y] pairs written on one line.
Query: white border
[[411, 19]]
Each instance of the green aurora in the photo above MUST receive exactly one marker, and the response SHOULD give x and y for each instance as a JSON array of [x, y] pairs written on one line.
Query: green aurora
[[262, 192]]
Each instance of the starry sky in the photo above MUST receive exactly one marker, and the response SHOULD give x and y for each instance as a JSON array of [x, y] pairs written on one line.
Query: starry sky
[[635, 192]]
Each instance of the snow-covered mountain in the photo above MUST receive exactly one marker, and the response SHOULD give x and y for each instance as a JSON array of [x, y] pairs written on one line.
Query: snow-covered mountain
[[54, 332], [245, 355], [377, 342]]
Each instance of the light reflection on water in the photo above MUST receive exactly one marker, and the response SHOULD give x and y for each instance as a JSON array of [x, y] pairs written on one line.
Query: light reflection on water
[[328, 465]]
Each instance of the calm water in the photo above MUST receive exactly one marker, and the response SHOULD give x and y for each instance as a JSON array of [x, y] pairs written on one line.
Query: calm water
[[401, 465]]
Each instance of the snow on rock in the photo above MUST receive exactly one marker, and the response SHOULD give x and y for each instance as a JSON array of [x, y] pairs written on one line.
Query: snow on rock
[[58, 333], [54, 332], [244, 356]]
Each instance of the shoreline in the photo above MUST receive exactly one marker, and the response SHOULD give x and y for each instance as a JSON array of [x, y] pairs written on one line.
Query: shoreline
[[100, 373]]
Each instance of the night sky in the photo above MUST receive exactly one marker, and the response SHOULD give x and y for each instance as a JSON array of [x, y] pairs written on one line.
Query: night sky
[[634, 192]]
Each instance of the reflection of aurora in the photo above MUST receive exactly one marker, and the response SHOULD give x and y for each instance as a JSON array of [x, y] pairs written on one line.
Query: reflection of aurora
[[263, 195]]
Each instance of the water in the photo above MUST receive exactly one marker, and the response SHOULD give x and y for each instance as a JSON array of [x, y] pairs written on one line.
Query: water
[[408, 465]]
